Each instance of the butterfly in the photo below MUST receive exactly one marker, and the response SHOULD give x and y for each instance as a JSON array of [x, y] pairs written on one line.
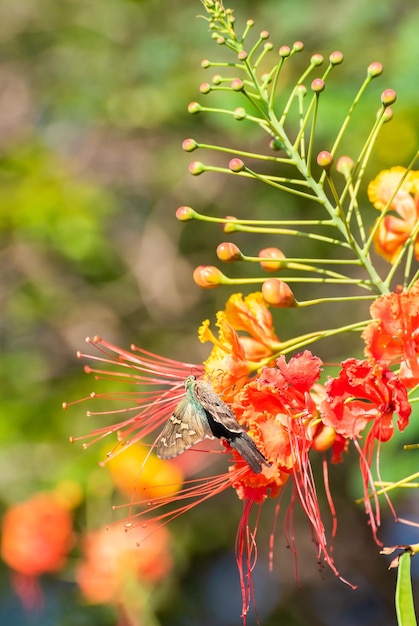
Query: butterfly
[[202, 414]]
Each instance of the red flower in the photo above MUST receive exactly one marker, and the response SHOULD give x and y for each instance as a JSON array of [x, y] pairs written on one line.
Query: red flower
[[392, 338], [365, 394], [276, 409]]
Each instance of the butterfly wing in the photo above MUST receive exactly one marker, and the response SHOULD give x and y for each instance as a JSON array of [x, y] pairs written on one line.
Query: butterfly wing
[[223, 423], [218, 409], [186, 426]]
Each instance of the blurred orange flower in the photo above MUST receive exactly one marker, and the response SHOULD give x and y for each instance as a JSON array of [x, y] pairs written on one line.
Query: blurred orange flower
[[114, 556], [37, 535], [394, 230], [136, 472]]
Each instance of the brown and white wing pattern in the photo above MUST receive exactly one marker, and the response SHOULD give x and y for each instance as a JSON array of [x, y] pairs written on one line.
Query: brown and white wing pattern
[[202, 414]]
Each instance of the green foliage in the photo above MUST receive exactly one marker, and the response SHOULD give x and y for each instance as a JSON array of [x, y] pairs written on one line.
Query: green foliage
[[92, 115], [404, 598]]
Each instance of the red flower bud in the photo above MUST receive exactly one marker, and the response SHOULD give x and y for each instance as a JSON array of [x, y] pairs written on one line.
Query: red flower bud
[[236, 165], [207, 276], [228, 252], [271, 253], [185, 213], [277, 293], [325, 159]]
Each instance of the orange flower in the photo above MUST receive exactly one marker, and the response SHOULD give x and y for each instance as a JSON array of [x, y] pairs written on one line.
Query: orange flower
[[37, 535], [392, 337], [114, 556], [394, 230], [235, 356]]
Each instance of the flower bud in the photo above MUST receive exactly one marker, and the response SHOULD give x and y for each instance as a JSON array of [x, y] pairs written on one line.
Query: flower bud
[[205, 64], [194, 107], [388, 114], [336, 58], [318, 85], [217, 79], [185, 213], [229, 227], [242, 55], [284, 51], [298, 46], [189, 145], [325, 160], [239, 113], [237, 84], [277, 293], [228, 252], [264, 34], [388, 97], [345, 165], [207, 276], [236, 165], [276, 144], [196, 168], [271, 253], [204, 88], [317, 59], [375, 69]]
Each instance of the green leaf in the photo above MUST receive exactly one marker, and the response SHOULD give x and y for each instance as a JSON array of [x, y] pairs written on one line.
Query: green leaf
[[405, 609]]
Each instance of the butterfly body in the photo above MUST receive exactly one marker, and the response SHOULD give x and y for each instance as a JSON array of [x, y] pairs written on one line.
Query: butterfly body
[[202, 414]]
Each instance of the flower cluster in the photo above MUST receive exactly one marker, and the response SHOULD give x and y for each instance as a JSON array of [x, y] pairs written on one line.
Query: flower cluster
[[286, 410], [275, 398]]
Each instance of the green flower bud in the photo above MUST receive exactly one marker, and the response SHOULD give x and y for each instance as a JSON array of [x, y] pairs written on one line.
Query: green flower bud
[[189, 145]]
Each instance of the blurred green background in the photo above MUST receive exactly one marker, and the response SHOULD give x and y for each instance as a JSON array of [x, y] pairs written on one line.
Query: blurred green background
[[93, 110]]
